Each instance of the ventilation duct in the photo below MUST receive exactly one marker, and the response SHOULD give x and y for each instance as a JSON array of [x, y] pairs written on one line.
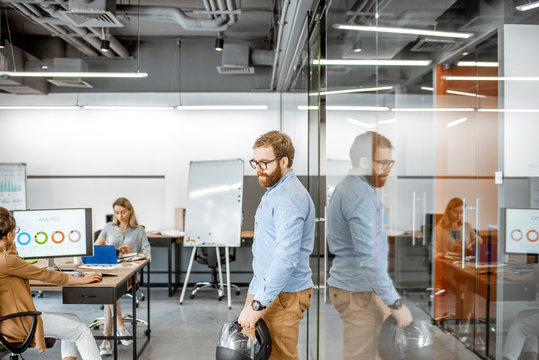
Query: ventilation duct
[[91, 13], [435, 45], [69, 64], [235, 60], [11, 58]]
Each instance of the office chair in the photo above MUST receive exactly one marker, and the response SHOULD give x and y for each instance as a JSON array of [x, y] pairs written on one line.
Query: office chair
[[17, 348], [208, 256]]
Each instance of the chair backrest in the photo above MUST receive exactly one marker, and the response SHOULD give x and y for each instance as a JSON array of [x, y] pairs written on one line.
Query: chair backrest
[[208, 256], [20, 347]]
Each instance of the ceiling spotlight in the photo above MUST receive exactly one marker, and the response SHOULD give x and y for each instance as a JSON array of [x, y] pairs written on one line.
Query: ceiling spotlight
[[528, 6], [356, 47], [105, 46], [219, 42]]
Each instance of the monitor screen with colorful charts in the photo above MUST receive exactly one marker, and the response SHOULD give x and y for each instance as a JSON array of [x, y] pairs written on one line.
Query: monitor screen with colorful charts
[[53, 233], [522, 231]]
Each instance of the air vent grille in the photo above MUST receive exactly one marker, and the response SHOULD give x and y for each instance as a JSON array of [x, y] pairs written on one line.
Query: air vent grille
[[434, 45], [225, 70], [72, 83], [92, 19]]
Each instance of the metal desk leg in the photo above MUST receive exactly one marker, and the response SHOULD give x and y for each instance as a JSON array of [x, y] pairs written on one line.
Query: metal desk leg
[[134, 307], [115, 327], [177, 264], [170, 267]]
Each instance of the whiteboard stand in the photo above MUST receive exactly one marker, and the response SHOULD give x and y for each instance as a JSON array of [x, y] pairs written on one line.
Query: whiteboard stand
[[221, 290]]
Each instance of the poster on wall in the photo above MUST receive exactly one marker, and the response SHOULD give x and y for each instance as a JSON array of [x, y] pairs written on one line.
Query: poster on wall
[[13, 186], [534, 192]]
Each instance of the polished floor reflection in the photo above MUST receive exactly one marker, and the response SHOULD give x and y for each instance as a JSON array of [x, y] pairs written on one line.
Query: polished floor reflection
[[190, 331]]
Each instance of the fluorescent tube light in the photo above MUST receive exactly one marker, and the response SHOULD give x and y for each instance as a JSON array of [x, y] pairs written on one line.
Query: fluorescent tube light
[[463, 93], [74, 74], [39, 107], [345, 108], [349, 91], [126, 107], [491, 78], [388, 121], [509, 110], [478, 63], [357, 108], [432, 109], [361, 123], [529, 6], [372, 62], [222, 107], [409, 31], [456, 122], [427, 88]]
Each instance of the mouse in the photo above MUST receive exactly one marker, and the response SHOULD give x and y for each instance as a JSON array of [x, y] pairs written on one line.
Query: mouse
[[76, 273]]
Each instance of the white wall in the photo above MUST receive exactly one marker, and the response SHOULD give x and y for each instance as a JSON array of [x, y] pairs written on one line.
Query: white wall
[[521, 157], [130, 143]]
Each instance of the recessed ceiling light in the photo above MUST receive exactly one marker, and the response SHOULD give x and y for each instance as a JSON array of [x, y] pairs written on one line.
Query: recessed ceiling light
[[478, 63], [350, 91], [374, 62], [491, 78], [529, 6], [456, 122], [409, 31]]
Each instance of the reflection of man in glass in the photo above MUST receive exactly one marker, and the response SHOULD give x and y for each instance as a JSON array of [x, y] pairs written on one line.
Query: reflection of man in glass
[[360, 287]]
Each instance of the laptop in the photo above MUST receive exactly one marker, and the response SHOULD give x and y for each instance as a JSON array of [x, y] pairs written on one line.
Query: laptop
[[103, 254]]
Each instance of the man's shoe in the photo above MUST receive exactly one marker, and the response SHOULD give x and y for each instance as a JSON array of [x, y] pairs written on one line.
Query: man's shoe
[[105, 348], [122, 331]]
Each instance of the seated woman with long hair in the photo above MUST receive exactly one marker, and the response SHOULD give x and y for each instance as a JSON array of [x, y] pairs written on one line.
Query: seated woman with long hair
[[15, 296]]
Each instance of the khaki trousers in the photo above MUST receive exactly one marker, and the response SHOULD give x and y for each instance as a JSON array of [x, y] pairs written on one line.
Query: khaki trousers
[[362, 315], [283, 316]]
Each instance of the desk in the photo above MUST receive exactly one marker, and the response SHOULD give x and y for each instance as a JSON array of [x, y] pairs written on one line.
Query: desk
[[172, 242], [106, 292]]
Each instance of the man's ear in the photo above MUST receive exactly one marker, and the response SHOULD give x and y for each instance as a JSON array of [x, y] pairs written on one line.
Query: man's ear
[[364, 162], [284, 162]]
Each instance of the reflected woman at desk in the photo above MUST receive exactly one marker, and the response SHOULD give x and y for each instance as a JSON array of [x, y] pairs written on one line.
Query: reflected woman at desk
[[449, 231], [15, 296], [125, 233]]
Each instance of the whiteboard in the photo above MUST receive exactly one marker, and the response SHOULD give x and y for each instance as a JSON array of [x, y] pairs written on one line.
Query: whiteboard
[[13, 186], [214, 200]]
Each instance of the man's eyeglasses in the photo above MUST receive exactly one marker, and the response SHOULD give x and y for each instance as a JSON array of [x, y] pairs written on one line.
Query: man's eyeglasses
[[386, 164], [261, 164]]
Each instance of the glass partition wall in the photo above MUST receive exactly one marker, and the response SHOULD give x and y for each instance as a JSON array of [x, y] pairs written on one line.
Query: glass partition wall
[[406, 131]]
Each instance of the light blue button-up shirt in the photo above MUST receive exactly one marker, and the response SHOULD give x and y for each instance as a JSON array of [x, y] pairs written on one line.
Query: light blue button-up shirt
[[357, 237], [283, 240]]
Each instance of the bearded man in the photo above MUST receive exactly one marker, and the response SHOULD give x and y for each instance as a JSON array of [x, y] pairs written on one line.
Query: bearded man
[[281, 288]]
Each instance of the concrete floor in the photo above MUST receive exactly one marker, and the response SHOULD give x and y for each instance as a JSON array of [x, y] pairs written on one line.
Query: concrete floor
[[190, 331]]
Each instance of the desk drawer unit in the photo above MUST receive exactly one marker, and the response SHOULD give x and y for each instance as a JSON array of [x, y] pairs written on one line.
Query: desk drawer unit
[[96, 295]]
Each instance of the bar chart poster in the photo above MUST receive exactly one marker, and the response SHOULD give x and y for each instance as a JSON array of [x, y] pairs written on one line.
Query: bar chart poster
[[13, 186]]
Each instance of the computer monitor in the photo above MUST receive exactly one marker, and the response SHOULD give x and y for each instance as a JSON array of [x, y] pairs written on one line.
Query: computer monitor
[[521, 230], [54, 233]]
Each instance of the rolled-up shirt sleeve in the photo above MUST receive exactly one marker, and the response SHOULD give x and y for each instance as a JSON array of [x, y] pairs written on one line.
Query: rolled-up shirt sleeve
[[289, 220]]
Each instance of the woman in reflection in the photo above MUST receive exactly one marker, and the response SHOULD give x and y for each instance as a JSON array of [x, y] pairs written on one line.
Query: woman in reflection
[[125, 233], [15, 296], [449, 231]]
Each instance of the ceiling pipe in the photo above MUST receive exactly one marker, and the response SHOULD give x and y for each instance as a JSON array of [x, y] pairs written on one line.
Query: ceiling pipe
[[174, 15], [56, 30], [279, 39]]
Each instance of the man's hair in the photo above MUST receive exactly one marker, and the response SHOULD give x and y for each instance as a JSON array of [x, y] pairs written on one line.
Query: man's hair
[[280, 143], [365, 145], [7, 222], [126, 204]]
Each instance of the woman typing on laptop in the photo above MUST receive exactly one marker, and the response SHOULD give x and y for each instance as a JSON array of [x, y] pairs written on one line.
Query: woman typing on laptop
[[15, 296], [127, 236]]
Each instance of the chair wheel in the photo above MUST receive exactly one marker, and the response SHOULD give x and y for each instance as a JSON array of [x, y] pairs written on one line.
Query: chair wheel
[[192, 296], [221, 298], [147, 332], [136, 305], [238, 292]]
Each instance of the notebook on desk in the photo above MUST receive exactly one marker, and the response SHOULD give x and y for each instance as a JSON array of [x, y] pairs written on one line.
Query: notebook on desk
[[103, 254]]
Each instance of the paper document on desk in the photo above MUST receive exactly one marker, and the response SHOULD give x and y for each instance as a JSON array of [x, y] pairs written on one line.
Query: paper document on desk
[[132, 257]]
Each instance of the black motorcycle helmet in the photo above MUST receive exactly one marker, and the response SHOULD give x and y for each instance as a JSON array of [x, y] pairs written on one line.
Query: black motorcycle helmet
[[233, 345], [398, 343]]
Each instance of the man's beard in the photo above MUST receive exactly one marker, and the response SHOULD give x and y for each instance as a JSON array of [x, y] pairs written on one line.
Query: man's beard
[[268, 180]]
